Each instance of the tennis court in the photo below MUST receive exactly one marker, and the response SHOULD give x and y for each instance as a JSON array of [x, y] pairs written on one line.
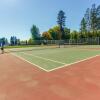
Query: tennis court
[[70, 73], [52, 58]]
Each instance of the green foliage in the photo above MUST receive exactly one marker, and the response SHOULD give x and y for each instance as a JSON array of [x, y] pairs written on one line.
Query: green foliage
[[90, 24], [98, 17], [93, 18], [14, 41], [89, 27], [66, 33], [83, 26], [30, 41], [98, 33], [46, 36], [74, 35], [61, 19], [3, 41], [55, 33], [61, 23], [87, 20], [35, 33]]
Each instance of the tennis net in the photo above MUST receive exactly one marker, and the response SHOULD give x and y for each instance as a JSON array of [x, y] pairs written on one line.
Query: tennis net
[[12, 49]]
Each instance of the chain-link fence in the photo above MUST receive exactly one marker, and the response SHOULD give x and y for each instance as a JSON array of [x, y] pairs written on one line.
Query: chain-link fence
[[82, 41]]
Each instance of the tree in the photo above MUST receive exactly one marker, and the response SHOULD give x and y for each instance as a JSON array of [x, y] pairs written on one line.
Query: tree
[[53, 34], [74, 35], [67, 33], [3, 41], [13, 40], [30, 41], [18, 42], [61, 22], [35, 33], [98, 17], [98, 33], [46, 36], [87, 20], [56, 33], [83, 26], [93, 18]]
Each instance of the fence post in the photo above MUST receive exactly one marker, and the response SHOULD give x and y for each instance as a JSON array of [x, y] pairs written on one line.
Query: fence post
[[98, 40]]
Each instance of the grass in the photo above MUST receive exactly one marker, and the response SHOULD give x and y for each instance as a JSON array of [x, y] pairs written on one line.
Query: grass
[[19, 46], [49, 59]]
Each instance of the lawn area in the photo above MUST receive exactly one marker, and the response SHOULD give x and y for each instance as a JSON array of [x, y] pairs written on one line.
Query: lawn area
[[18, 46], [49, 59]]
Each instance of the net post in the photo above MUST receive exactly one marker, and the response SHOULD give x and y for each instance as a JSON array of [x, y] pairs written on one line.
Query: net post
[[98, 40], [59, 43]]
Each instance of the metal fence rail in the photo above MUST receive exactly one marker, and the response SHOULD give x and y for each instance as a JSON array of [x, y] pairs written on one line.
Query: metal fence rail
[[82, 41]]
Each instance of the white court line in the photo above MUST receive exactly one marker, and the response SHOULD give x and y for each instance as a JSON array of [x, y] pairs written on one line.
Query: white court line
[[44, 58], [29, 62], [66, 65]]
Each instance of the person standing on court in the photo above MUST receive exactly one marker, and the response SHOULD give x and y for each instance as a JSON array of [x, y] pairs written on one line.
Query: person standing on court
[[2, 48]]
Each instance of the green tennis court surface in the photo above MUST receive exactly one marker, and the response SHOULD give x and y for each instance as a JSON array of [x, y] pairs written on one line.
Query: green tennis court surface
[[49, 59]]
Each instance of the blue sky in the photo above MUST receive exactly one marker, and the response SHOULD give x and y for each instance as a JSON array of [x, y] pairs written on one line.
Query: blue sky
[[18, 16]]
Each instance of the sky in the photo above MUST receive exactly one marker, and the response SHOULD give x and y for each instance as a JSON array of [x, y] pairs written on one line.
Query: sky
[[18, 16]]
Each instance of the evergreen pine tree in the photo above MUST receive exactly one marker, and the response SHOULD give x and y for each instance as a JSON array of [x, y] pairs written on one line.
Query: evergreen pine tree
[[61, 22]]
